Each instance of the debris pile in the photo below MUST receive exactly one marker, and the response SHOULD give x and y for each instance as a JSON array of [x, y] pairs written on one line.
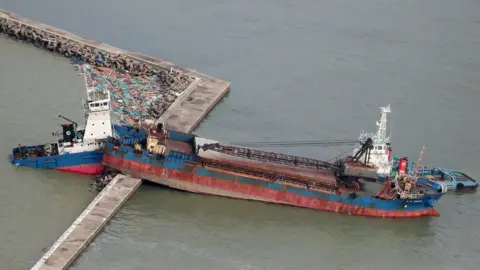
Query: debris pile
[[102, 180], [171, 82], [132, 98]]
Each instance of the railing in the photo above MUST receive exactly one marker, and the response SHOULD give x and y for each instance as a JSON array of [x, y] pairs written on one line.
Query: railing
[[264, 156], [34, 151]]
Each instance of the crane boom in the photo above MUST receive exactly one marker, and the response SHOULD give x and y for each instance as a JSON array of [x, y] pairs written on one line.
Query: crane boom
[[71, 121], [366, 148], [296, 143], [290, 160], [271, 157]]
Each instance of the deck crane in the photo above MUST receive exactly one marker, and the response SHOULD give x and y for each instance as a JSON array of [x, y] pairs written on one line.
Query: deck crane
[[75, 124], [254, 154], [366, 149]]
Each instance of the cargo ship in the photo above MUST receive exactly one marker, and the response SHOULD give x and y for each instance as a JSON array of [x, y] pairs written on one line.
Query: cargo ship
[[79, 148], [191, 163]]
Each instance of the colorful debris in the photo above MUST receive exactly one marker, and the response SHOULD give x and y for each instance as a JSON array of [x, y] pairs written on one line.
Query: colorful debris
[[132, 98], [138, 89]]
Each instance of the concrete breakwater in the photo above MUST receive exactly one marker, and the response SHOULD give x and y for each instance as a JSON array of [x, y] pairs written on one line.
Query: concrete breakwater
[[191, 94], [83, 230], [171, 82]]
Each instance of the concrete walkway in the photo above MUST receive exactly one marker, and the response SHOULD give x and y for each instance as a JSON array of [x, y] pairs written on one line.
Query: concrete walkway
[[77, 237]]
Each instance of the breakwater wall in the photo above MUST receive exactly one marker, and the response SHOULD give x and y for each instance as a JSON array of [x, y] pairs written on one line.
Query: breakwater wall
[[89, 223], [198, 92], [172, 82], [84, 52]]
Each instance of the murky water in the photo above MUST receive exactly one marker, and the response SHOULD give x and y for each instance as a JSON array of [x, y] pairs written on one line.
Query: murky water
[[299, 70], [36, 206]]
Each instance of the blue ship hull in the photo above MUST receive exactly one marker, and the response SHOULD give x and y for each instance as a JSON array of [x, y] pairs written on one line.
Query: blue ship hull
[[88, 162], [81, 163]]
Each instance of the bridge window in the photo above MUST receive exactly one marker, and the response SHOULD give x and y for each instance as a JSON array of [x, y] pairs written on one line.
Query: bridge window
[[105, 103]]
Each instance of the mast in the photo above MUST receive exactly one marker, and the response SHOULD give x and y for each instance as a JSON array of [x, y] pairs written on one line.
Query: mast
[[381, 134], [418, 164]]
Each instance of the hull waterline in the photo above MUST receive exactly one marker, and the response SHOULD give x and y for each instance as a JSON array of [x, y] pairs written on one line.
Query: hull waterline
[[85, 169]]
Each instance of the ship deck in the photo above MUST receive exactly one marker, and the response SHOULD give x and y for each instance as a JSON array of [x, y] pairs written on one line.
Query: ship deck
[[179, 146], [318, 176], [309, 175]]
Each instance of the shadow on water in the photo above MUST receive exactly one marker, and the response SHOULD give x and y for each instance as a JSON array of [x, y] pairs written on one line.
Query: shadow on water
[[465, 192], [153, 185]]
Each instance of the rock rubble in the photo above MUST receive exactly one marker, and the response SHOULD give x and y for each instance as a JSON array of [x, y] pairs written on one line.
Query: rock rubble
[[172, 82]]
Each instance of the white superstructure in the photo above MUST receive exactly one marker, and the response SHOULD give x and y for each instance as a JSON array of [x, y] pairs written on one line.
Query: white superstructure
[[98, 124], [380, 154]]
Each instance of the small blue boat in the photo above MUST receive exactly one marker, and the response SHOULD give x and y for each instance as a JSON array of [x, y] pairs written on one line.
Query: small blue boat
[[435, 177], [453, 179]]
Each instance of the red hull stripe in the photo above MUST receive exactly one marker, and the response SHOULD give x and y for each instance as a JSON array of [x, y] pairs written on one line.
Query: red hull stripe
[[88, 169], [210, 185]]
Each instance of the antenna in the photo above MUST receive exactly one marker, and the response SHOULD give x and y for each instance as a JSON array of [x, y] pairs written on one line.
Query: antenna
[[391, 130], [382, 124], [418, 164]]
